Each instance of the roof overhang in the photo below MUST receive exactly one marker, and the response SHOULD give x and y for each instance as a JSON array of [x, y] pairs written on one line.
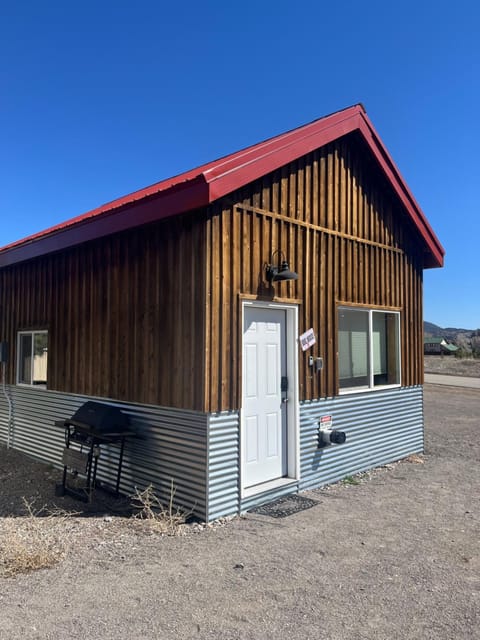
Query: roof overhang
[[201, 186]]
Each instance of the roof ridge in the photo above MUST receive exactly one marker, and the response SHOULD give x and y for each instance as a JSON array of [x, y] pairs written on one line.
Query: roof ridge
[[202, 185]]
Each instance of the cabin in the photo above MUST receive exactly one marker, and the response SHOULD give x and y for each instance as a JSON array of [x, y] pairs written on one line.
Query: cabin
[[239, 313], [438, 347]]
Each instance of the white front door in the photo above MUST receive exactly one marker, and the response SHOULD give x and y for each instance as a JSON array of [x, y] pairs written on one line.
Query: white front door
[[264, 413]]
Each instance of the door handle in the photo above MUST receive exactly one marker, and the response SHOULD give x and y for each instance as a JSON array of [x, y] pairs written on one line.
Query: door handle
[[284, 400]]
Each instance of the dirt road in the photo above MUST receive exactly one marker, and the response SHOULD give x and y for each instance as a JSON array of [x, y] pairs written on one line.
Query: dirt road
[[393, 557]]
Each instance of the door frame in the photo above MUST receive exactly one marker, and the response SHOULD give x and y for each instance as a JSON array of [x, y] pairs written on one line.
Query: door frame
[[293, 413]]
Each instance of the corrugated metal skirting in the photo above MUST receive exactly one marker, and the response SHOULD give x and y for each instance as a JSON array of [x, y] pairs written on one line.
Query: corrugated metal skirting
[[223, 464], [171, 443], [381, 426], [201, 452]]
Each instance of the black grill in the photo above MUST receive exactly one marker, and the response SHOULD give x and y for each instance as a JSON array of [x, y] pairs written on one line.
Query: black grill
[[99, 418], [91, 427]]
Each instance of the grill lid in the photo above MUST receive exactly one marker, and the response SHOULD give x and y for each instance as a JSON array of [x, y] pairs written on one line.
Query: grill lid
[[100, 417]]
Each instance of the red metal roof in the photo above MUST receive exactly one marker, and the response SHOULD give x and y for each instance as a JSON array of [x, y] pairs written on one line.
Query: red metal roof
[[205, 184]]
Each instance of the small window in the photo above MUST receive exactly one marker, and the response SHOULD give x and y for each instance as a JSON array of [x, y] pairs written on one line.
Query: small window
[[32, 358], [368, 349]]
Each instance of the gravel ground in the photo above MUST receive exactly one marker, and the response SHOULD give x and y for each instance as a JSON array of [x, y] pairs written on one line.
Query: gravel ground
[[394, 556]]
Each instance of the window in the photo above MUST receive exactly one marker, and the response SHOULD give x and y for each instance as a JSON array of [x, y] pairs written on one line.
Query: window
[[368, 348], [32, 358]]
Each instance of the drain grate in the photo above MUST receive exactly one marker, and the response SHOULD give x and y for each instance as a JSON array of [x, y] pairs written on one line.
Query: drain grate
[[285, 506]]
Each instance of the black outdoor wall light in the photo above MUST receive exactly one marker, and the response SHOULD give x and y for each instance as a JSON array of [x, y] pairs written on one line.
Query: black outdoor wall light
[[281, 271]]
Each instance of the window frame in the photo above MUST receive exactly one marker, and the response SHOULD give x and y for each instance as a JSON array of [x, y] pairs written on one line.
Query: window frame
[[372, 387], [32, 333]]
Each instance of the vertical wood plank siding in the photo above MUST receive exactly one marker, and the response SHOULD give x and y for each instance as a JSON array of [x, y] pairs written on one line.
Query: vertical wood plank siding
[[124, 314], [341, 228], [153, 315]]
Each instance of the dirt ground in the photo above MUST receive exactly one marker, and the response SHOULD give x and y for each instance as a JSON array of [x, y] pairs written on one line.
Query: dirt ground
[[395, 556]]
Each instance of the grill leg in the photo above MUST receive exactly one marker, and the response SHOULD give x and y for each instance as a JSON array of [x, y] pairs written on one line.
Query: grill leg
[[89, 472], [96, 455], [120, 462], [67, 444]]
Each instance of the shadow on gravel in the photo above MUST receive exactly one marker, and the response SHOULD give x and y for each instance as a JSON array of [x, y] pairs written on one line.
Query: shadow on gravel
[[28, 485]]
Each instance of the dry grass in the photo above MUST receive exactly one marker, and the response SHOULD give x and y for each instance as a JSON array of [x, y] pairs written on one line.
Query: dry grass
[[167, 520], [449, 365], [41, 538], [36, 541]]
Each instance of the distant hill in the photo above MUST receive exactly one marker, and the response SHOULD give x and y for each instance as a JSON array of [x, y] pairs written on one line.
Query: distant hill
[[435, 331], [467, 339]]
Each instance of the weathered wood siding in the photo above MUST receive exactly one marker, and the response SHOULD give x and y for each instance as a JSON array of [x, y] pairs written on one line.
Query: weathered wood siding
[[153, 315], [125, 314], [334, 216]]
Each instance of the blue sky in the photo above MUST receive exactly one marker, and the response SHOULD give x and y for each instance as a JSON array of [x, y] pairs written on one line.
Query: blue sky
[[98, 99]]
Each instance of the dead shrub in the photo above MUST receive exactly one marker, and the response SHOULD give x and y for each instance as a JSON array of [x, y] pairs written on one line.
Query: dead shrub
[[33, 542], [167, 520]]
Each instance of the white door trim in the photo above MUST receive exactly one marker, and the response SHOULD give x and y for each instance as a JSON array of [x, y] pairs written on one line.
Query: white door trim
[[293, 414]]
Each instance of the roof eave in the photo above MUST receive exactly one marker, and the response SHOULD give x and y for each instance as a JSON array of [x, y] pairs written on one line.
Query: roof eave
[[189, 196]]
